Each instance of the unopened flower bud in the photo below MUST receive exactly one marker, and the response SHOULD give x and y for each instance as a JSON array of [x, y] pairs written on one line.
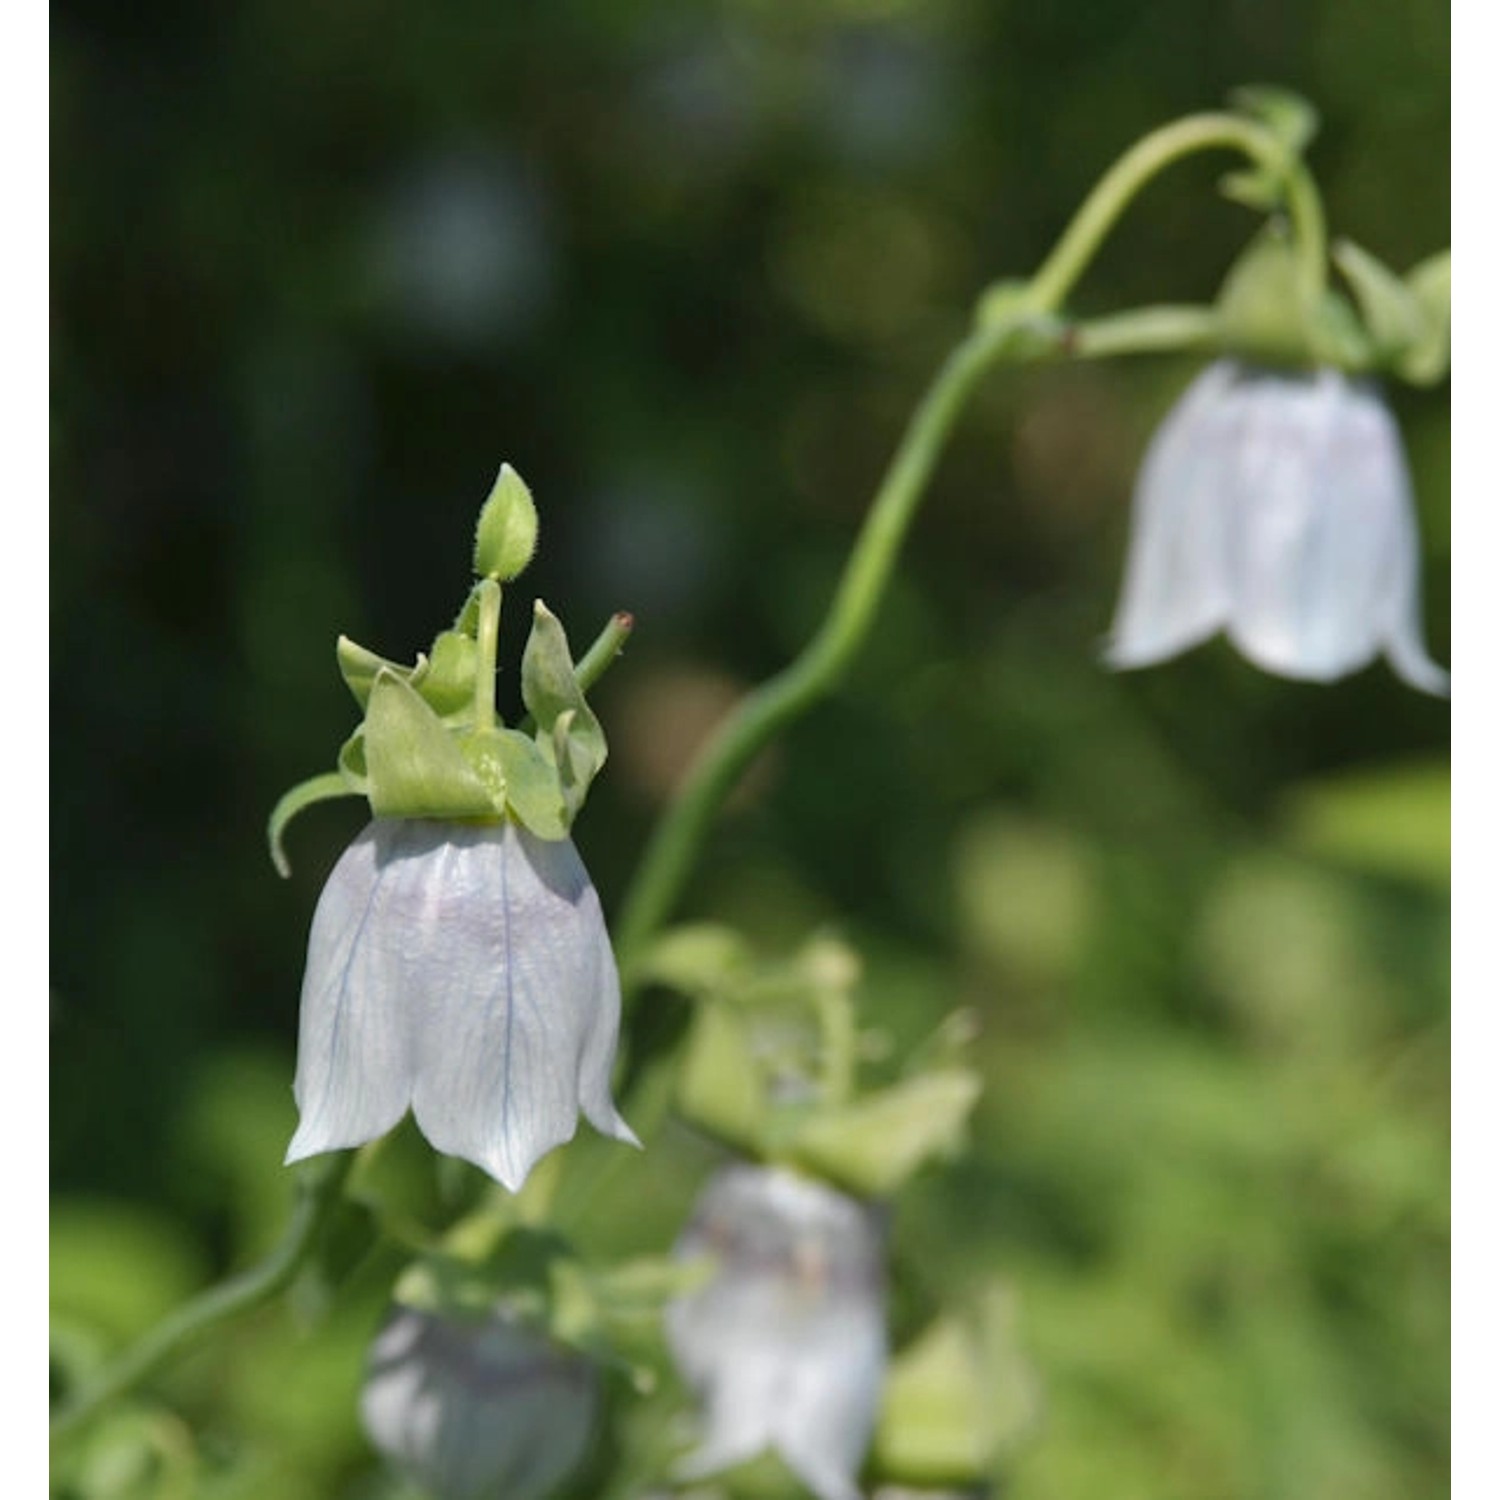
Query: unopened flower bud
[[505, 537]]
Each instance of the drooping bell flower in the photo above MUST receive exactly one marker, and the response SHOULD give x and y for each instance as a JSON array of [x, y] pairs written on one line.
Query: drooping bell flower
[[785, 1345], [458, 964], [1276, 507], [1274, 502], [462, 971], [476, 1408]]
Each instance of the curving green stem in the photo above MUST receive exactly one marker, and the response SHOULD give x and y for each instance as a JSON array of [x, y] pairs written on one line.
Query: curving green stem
[[659, 877], [1154, 153], [318, 1190], [1027, 328]]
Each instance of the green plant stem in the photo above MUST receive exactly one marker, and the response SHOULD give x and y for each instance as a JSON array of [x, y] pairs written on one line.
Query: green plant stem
[[318, 1191], [664, 867], [598, 659], [1119, 186], [1144, 330], [1031, 318], [488, 637]]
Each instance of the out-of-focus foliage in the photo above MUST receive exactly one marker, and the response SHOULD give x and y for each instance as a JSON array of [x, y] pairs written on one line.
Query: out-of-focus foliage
[[319, 269]]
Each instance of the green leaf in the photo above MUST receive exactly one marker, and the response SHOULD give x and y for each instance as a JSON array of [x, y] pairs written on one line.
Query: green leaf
[[505, 537], [568, 729], [315, 789], [703, 961], [416, 768], [721, 1087], [873, 1145], [1393, 821], [958, 1398]]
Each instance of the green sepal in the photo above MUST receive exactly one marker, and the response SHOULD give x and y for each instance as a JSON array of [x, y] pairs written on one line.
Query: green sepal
[[1431, 283], [322, 788], [958, 1400], [359, 667], [416, 769], [513, 1264], [721, 1087], [352, 765], [1262, 306], [1267, 313], [875, 1144], [505, 536], [568, 731], [445, 677], [1288, 116], [1395, 320], [452, 667], [532, 790]]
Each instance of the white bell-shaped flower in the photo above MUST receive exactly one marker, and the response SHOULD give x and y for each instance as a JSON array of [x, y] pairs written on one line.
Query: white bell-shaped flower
[[1276, 507], [473, 1410], [462, 971], [785, 1345]]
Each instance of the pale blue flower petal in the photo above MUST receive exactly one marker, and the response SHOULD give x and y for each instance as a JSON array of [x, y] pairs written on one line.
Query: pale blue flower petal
[[355, 1055], [1176, 590], [520, 1000], [786, 1345], [1278, 506], [1318, 489], [463, 971], [472, 1410]]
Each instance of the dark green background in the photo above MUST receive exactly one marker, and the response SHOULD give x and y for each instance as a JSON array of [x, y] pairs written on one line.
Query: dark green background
[[317, 269]]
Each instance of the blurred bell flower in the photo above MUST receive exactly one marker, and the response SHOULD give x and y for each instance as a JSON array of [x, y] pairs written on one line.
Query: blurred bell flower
[[1276, 506], [476, 1408], [462, 971], [458, 964], [785, 1344]]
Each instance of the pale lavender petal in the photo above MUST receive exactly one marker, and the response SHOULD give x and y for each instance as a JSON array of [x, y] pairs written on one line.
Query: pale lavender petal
[[478, 1408], [514, 957], [1401, 633], [1314, 525], [354, 1048], [785, 1345], [1176, 585]]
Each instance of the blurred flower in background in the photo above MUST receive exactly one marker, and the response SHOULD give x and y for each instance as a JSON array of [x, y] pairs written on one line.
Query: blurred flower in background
[[460, 254], [786, 1345], [1277, 507], [477, 1409]]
